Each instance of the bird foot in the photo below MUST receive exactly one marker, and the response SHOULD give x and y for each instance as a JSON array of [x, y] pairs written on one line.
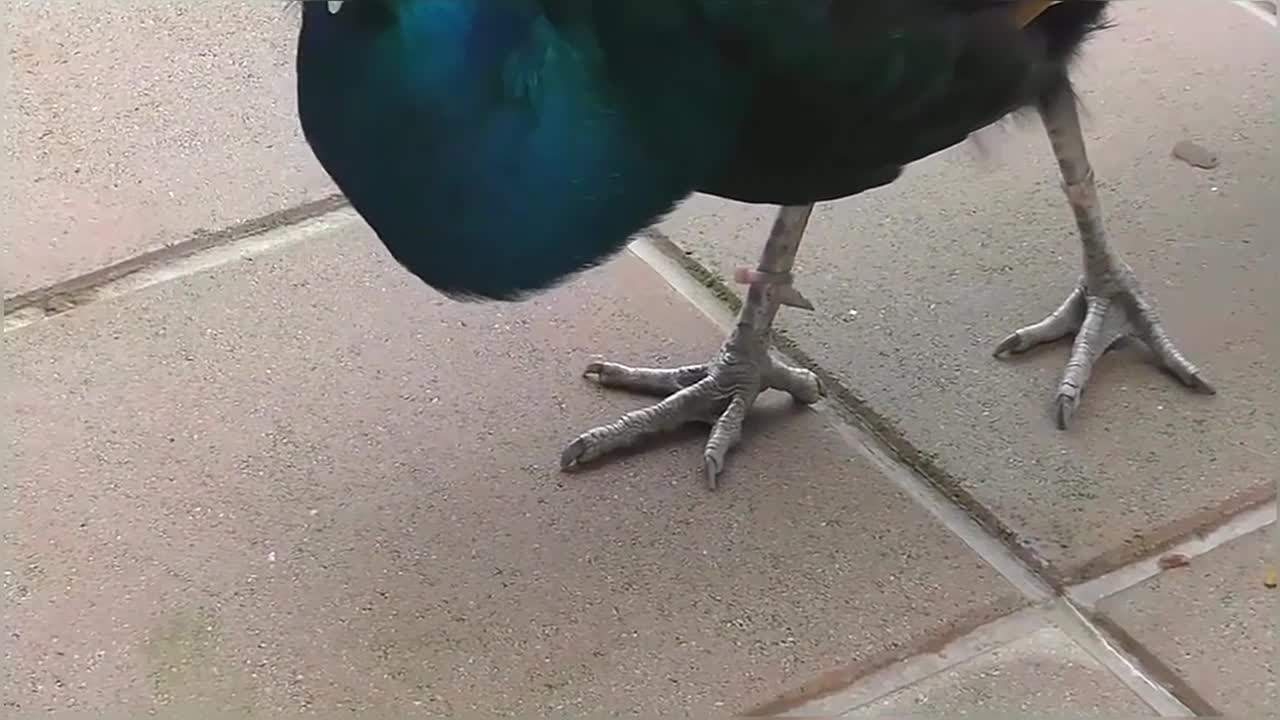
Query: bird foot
[[1100, 314], [719, 394]]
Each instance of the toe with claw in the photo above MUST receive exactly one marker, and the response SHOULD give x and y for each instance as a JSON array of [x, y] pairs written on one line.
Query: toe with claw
[[719, 394]]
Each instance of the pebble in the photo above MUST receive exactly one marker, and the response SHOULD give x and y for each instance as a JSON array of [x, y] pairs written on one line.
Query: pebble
[[1196, 155]]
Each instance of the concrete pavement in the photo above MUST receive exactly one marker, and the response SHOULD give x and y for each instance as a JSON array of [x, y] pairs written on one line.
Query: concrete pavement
[[282, 475], [138, 125], [345, 495]]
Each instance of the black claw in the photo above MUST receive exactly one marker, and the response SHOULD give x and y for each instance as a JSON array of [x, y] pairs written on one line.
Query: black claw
[[1066, 409], [712, 468], [1201, 385], [1008, 345], [593, 371], [572, 455]]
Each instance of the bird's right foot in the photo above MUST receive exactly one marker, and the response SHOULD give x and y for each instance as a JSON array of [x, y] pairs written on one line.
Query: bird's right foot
[[719, 394]]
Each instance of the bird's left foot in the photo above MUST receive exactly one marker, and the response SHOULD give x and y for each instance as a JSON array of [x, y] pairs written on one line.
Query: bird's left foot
[[1100, 313], [719, 394]]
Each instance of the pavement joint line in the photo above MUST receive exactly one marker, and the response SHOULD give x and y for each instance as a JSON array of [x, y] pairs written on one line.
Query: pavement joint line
[[994, 551], [1090, 592], [909, 671], [1057, 613], [1264, 11], [180, 266], [647, 249], [65, 294], [1125, 667]]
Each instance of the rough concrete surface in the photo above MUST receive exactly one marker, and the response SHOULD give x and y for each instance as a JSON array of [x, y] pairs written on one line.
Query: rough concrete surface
[[1212, 623], [306, 481], [1044, 674], [134, 125], [915, 284]]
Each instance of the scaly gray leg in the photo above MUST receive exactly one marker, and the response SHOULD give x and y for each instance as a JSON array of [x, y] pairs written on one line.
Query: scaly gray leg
[[721, 392], [1107, 303]]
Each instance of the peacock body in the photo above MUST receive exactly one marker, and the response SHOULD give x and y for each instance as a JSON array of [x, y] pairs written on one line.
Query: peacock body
[[497, 147]]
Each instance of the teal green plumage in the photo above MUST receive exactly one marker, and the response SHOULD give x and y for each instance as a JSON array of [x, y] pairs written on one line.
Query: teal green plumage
[[496, 147]]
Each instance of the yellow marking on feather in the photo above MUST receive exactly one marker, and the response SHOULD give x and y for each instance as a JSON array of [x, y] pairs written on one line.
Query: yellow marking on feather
[[1029, 10]]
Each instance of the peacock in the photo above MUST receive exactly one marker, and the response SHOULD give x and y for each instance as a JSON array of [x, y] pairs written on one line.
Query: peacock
[[499, 147]]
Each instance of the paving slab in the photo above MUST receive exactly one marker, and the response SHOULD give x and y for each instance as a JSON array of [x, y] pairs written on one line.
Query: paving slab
[[915, 283], [130, 126], [1211, 623], [306, 481], [1043, 674]]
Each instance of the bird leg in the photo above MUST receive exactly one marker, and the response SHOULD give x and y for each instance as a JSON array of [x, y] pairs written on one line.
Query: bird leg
[[721, 392], [1108, 302]]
